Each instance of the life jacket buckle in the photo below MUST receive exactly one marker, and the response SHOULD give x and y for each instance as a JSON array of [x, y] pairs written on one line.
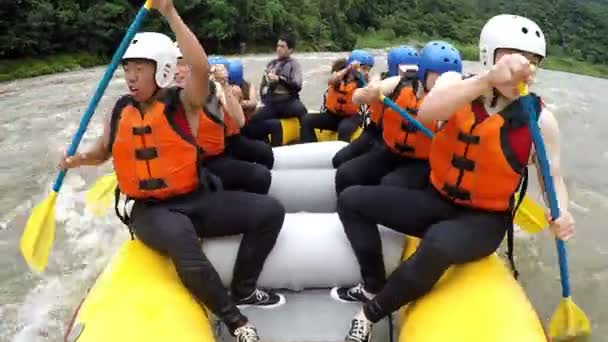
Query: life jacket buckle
[[146, 153], [469, 138], [457, 192], [142, 130], [407, 127], [463, 163], [404, 148], [152, 184]]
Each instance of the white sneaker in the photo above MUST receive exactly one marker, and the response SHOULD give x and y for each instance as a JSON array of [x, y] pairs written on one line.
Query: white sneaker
[[246, 333]]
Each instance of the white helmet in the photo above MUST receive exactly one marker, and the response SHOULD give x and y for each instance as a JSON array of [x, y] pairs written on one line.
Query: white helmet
[[509, 31], [156, 47]]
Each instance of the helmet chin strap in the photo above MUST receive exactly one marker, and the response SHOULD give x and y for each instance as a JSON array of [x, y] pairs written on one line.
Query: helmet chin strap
[[424, 87]]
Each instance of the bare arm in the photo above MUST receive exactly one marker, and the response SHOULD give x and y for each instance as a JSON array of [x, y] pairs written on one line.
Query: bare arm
[[551, 136], [252, 103], [450, 94], [232, 105], [337, 76], [96, 155], [197, 87], [371, 92]]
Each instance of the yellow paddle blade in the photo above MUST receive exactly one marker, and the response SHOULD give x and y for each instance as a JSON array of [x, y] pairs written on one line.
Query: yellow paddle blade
[[569, 322], [39, 233], [99, 198], [530, 216]]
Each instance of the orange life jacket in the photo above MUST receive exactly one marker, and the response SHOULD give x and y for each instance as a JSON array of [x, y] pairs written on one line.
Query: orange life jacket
[[479, 160], [376, 109], [155, 159], [399, 135], [339, 99]]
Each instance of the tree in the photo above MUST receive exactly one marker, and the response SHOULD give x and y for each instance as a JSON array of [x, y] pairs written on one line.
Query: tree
[[574, 28]]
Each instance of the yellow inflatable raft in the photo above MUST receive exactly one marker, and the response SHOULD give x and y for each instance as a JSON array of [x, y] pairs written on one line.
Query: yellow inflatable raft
[[291, 132], [475, 302], [139, 298]]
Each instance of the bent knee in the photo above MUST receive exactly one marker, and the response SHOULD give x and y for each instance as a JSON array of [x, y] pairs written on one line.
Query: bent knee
[[307, 120], [346, 176], [337, 160], [260, 179], [266, 156], [270, 211], [350, 199]]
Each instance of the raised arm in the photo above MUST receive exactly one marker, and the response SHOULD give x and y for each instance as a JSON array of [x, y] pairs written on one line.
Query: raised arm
[[371, 92], [197, 87]]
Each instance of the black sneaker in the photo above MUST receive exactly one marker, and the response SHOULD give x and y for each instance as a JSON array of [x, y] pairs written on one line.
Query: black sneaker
[[263, 299], [246, 333], [360, 331], [355, 294]]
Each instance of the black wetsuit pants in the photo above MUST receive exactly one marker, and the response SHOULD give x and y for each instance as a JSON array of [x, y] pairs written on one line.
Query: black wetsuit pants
[[381, 166], [370, 138], [265, 121], [242, 148], [451, 234], [174, 226], [344, 125], [239, 174]]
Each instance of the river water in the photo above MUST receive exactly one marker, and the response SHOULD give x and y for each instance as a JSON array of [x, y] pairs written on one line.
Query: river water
[[38, 117]]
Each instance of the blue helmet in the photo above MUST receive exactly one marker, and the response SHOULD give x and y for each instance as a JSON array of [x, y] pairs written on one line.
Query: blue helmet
[[235, 72], [440, 57], [361, 56], [215, 60], [401, 55]]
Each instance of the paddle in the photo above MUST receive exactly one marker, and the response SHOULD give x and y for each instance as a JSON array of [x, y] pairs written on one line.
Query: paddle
[[406, 116], [568, 321], [100, 196], [39, 233], [388, 102], [530, 215]]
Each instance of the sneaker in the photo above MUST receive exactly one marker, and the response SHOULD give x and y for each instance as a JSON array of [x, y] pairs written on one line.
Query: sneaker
[[246, 333], [355, 294], [263, 299], [360, 330]]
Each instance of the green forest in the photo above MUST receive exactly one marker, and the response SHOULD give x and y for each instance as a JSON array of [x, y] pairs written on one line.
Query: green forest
[[54, 35]]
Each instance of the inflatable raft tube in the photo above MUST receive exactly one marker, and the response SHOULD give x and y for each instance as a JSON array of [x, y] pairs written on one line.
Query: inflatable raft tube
[[304, 190], [307, 190], [311, 251], [474, 302], [306, 156], [137, 298]]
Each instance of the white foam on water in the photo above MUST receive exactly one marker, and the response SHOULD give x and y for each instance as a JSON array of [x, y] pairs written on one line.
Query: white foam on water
[[90, 242], [578, 207], [75, 262]]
